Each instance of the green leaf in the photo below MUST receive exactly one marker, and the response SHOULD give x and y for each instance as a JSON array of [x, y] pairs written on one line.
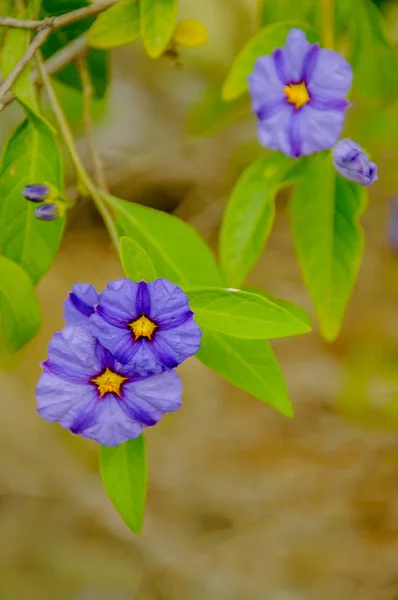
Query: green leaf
[[124, 476], [325, 211], [248, 364], [375, 61], [271, 11], [158, 19], [175, 248], [265, 42], [117, 26], [244, 314], [31, 156], [249, 215], [20, 313], [97, 60], [136, 263]]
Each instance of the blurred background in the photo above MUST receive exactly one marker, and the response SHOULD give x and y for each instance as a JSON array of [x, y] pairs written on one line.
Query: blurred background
[[243, 503]]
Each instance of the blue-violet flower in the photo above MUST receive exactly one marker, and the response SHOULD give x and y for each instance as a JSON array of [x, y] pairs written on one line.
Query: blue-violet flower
[[299, 96], [80, 304], [352, 162], [85, 390], [147, 324]]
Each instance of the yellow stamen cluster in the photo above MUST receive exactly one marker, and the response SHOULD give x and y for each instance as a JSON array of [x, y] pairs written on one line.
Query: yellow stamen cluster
[[142, 327], [297, 94], [109, 382]]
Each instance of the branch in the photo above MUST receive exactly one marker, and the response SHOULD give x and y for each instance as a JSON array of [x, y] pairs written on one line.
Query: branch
[[58, 61], [87, 88], [61, 20], [35, 44]]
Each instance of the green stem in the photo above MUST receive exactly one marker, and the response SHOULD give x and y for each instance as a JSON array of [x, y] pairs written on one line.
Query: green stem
[[82, 174], [328, 23]]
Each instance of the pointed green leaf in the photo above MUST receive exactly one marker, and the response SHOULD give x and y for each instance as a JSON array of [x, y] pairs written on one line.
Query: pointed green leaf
[[244, 314], [158, 20], [124, 476], [175, 248], [249, 215], [136, 263], [375, 59], [248, 364], [325, 211], [31, 156], [117, 26], [270, 37], [20, 313]]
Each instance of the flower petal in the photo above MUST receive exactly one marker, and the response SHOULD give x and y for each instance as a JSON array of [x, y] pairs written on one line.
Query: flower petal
[[331, 75], [112, 426], [143, 300], [313, 130], [80, 304], [265, 85], [291, 58], [173, 346], [273, 132], [117, 303]]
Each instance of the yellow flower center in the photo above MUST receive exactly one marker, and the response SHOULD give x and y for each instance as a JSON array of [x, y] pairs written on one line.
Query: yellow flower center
[[142, 327], [109, 382], [297, 94]]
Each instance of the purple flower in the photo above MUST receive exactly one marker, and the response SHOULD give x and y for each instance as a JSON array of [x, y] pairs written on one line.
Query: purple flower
[[148, 324], [36, 192], [299, 96], [353, 163], [46, 212], [85, 390], [80, 304]]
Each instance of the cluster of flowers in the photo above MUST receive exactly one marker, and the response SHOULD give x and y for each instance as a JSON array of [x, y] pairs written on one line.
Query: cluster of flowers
[[299, 97], [111, 371], [45, 196]]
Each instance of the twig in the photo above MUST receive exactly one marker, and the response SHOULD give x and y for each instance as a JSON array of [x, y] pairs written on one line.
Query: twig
[[82, 174], [87, 88], [57, 62], [35, 44], [61, 20]]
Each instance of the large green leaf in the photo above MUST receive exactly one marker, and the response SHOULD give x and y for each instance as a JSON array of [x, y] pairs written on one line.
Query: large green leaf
[[249, 215], [136, 263], [245, 315], [97, 60], [158, 19], [325, 211], [270, 37], [375, 60], [124, 475], [19, 309], [117, 26], [248, 364], [175, 248], [31, 156]]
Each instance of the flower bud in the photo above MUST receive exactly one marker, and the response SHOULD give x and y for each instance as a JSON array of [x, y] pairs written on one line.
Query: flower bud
[[352, 162], [46, 212], [190, 33], [36, 192]]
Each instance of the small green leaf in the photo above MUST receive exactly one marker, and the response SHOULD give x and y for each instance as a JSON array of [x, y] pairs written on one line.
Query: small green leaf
[[117, 26], [20, 313], [97, 60], [124, 476], [265, 42], [175, 248], [158, 20], [136, 263], [325, 211], [248, 364], [244, 314], [375, 60], [31, 156], [249, 215]]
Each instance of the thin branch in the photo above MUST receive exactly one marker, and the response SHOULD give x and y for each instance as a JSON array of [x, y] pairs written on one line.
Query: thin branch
[[58, 61], [99, 175], [60, 21], [35, 44], [82, 174]]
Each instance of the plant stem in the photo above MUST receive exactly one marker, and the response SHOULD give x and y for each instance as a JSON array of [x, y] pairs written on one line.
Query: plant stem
[[87, 88], [82, 174], [328, 23]]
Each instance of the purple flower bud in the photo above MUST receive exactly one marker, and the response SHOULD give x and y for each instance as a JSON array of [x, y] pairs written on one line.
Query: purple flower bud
[[46, 212], [35, 192], [353, 163]]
